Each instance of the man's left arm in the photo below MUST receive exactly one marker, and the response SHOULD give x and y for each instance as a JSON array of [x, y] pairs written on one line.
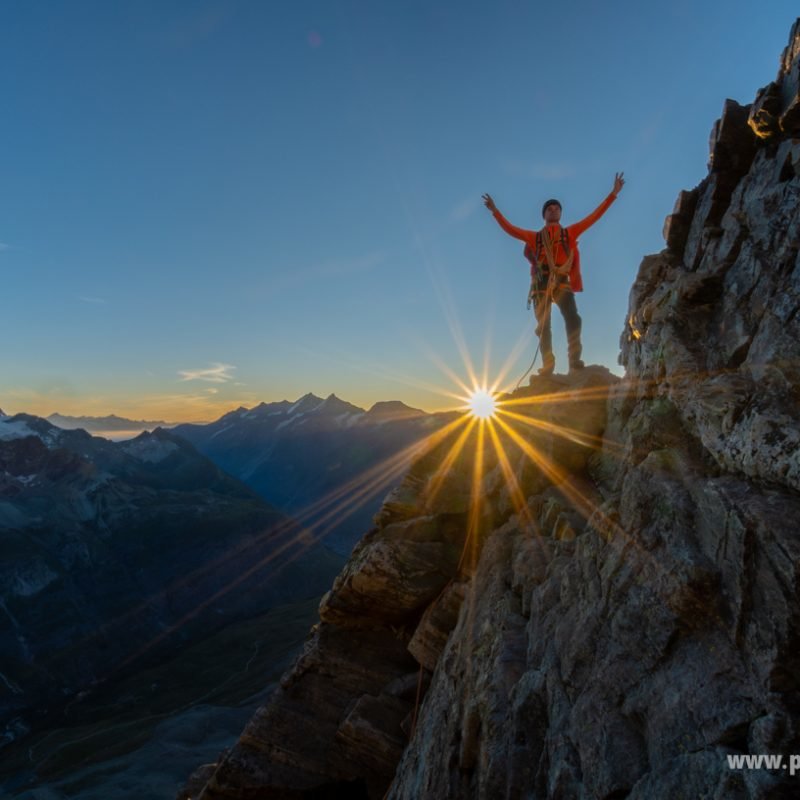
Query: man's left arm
[[579, 227]]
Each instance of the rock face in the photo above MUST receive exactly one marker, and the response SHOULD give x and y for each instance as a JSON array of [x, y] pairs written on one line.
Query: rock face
[[340, 720], [596, 594], [776, 109]]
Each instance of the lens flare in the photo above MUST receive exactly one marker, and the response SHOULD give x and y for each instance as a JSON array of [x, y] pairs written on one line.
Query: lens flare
[[482, 404]]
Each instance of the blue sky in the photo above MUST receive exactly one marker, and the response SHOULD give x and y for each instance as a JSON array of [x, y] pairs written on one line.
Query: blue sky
[[212, 204]]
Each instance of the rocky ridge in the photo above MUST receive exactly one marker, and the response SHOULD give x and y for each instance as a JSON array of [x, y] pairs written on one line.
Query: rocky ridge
[[605, 606]]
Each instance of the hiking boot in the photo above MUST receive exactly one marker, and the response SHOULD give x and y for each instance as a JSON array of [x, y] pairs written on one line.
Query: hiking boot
[[576, 364], [548, 366]]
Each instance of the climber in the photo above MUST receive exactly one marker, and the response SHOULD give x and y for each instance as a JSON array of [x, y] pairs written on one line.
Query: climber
[[555, 271]]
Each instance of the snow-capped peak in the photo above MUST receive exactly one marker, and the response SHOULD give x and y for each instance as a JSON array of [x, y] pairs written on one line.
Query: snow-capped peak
[[335, 405], [22, 425], [15, 430], [150, 448], [308, 402]]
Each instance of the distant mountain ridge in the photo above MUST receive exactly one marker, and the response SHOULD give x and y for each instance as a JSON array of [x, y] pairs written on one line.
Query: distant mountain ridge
[[297, 454], [113, 423], [331, 405], [110, 422], [113, 549]]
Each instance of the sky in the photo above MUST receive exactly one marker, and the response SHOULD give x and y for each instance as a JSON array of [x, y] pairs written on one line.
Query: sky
[[206, 205]]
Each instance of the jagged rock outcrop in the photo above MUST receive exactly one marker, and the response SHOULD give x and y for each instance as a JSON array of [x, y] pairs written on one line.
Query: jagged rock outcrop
[[611, 609], [340, 720]]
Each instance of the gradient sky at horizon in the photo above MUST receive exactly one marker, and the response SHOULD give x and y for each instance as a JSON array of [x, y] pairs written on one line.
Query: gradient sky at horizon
[[213, 204]]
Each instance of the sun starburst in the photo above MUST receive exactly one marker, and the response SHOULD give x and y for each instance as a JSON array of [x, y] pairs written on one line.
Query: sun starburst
[[482, 404]]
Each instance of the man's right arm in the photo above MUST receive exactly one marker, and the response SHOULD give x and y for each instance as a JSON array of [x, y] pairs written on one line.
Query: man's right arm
[[512, 230]]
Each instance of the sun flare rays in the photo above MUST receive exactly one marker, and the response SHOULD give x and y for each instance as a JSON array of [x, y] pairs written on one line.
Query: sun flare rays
[[483, 439]]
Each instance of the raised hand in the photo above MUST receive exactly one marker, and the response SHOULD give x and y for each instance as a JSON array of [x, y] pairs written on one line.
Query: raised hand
[[489, 203], [619, 182]]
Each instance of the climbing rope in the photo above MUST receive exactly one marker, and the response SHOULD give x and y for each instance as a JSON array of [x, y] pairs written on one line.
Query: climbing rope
[[549, 305], [535, 356]]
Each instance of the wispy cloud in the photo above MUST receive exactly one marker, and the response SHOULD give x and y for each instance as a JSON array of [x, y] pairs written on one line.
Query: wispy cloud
[[218, 373], [195, 406], [4, 246], [539, 170], [89, 299], [322, 270], [466, 208], [212, 390]]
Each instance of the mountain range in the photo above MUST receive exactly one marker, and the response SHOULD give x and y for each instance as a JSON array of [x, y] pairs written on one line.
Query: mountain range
[[303, 456], [115, 554], [118, 556]]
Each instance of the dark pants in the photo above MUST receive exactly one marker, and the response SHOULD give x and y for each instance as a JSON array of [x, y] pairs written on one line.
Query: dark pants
[[564, 298]]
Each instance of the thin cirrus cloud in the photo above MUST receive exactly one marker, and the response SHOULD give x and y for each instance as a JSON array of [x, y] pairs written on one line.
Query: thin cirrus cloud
[[89, 299], [331, 269], [465, 208], [218, 373]]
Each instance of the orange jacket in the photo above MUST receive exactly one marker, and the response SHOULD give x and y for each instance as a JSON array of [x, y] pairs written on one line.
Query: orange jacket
[[573, 232]]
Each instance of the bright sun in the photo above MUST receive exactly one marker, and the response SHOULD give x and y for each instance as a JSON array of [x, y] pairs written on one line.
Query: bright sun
[[482, 404]]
